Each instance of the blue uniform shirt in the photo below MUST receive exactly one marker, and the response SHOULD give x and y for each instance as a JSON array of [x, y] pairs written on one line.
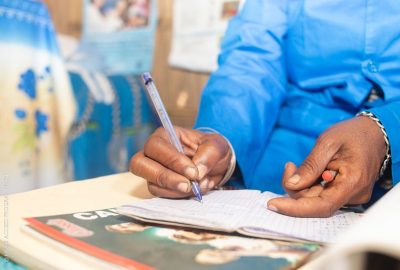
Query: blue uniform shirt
[[289, 69]]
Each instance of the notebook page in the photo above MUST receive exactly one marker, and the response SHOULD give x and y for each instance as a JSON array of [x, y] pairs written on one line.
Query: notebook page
[[323, 230], [221, 209]]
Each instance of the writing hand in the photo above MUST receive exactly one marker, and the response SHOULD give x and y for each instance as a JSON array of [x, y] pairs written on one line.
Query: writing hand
[[355, 149], [168, 172]]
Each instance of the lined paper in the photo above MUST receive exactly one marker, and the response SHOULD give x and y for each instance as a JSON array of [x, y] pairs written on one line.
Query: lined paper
[[230, 210], [323, 230]]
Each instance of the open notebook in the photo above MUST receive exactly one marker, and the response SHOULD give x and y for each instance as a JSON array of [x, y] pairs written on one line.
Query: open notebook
[[242, 211]]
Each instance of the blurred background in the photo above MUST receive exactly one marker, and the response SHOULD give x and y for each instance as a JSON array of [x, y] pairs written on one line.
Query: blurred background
[[73, 103], [172, 82]]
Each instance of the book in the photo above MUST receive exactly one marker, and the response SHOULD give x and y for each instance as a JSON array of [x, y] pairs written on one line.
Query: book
[[112, 241], [242, 211]]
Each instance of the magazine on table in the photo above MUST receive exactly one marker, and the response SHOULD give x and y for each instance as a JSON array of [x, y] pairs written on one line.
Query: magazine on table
[[113, 241]]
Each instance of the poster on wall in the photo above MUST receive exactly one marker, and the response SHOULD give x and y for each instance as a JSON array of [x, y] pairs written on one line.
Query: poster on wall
[[118, 36], [199, 27]]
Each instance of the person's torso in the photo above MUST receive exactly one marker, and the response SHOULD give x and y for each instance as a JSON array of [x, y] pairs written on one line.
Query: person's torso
[[335, 52]]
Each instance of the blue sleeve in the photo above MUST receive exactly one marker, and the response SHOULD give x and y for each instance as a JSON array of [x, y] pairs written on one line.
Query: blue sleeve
[[243, 97], [389, 115]]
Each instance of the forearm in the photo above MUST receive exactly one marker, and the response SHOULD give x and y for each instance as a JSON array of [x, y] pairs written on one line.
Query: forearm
[[243, 97]]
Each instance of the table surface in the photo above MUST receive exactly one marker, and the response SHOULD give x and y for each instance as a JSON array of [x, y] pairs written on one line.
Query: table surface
[[114, 190], [99, 193]]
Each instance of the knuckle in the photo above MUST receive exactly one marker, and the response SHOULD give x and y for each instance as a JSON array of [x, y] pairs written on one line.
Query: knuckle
[[325, 140], [222, 144], [216, 137], [363, 198], [215, 148], [217, 143], [287, 189], [310, 164], [359, 180], [293, 194], [351, 185], [162, 178], [135, 163], [151, 143], [176, 163], [152, 189], [329, 209]]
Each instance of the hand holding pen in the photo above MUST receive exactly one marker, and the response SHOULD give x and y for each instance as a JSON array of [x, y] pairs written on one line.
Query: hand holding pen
[[166, 122], [172, 163]]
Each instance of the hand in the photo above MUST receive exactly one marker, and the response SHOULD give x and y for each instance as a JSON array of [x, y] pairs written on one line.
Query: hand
[[168, 172], [355, 149]]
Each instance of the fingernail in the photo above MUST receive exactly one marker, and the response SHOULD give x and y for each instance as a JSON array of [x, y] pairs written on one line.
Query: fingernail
[[294, 179], [183, 187], [204, 184], [190, 173], [286, 164], [272, 208], [202, 170]]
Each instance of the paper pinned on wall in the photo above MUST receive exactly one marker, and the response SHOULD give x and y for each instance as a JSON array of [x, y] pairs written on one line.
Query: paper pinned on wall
[[118, 36], [199, 27]]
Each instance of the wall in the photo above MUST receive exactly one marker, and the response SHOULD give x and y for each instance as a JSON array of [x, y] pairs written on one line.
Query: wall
[[179, 89]]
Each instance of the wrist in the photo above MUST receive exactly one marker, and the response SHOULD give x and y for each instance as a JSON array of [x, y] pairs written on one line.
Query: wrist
[[385, 144]]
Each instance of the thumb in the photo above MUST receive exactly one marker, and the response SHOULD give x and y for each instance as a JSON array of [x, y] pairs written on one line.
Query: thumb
[[312, 167]]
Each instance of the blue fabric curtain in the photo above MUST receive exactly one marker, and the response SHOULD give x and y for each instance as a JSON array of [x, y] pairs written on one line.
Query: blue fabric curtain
[[113, 121]]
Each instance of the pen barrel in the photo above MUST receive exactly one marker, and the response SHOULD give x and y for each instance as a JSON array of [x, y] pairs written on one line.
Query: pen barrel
[[162, 112], [196, 190]]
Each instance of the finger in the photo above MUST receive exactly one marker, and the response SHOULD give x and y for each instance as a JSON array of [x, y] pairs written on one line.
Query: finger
[[323, 205], [330, 173], [190, 138], [205, 186], [303, 207], [189, 152], [290, 170], [161, 150], [313, 191], [212, 181], [314, 165], [157, 174], [166, 193], [212, 154]]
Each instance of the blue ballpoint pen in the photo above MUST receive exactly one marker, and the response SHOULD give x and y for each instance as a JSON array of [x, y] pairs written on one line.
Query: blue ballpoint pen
[[166, 122]]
